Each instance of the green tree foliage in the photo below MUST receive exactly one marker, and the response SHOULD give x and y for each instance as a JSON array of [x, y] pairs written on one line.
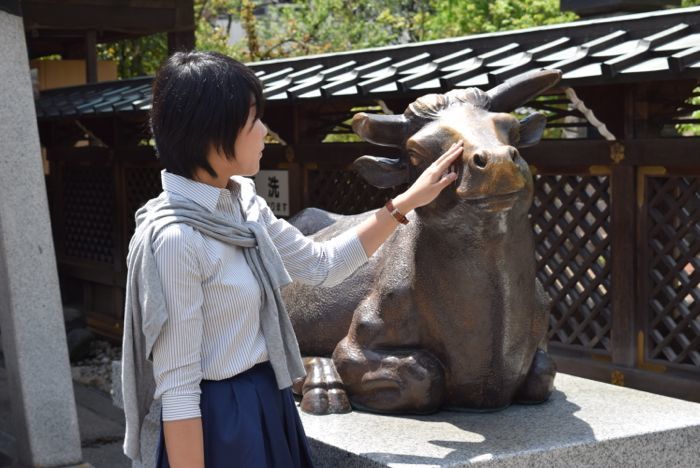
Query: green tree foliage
[[135, 57], [318, 26], [449, 18], [143, 56], [691, 129], [304, 27]]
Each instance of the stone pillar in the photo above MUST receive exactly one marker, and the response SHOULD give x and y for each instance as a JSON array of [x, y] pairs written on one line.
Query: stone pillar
[[44, 420]]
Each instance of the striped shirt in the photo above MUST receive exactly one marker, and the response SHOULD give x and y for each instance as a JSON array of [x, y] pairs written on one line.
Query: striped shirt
[[212, 298]]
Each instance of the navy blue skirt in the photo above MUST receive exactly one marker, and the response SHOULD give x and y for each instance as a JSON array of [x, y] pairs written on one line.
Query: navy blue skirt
[[248, 422]]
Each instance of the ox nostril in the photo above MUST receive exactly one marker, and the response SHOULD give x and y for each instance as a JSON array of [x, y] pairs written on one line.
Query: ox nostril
[[514, 154], [480, 160]]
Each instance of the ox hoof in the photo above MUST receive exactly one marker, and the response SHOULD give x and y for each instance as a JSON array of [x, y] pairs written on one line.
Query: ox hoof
[[403, 381], [539, 383], [322, 401], [322, 390]]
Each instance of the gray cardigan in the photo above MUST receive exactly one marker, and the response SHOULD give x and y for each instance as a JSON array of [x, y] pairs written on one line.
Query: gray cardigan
[[145, 312]]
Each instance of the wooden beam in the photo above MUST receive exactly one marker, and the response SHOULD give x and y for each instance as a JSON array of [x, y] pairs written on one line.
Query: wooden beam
[[623, 264], [568, 153], [181, 41], [182, 37], [551, 154], [85, 153], [91, 56], [137, 19], [683, 152], [676, 385]]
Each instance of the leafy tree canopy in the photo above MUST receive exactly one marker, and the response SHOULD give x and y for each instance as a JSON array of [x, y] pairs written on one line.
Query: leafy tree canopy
[[319, 26], [304, 27]]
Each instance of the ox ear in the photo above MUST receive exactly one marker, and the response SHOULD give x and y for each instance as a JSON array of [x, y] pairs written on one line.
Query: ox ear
[[381, 172], [520, 89], [531, 128], [385, 130]]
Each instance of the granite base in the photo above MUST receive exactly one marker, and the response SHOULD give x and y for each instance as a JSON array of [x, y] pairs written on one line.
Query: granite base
[[585, 423]]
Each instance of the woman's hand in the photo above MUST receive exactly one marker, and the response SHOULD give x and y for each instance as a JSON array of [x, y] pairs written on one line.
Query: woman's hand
[[431, 182], [373, 231]]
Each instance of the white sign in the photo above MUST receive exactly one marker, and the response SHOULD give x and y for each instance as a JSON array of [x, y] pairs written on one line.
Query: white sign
[[273, 186]]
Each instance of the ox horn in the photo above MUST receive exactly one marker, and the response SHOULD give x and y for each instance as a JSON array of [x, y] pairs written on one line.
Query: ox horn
[[384, 130], [520, 89]]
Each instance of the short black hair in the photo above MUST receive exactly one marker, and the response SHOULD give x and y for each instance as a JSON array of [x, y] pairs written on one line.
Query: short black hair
[[200, 99]]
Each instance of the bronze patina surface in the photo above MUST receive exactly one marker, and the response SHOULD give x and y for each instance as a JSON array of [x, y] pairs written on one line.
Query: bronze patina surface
[[448, 313]]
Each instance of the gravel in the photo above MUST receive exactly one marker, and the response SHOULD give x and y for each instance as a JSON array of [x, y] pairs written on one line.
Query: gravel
[[96, 369]]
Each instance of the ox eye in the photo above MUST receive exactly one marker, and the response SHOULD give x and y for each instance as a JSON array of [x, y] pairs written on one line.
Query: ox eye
[[416, 158]]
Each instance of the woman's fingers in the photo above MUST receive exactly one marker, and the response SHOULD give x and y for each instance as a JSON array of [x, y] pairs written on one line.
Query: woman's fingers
[[434, 179], [443, 163], [445, 180], [449, 156]]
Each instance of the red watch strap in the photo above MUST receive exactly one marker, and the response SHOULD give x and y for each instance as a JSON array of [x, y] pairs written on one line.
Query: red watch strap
[[398, 216]]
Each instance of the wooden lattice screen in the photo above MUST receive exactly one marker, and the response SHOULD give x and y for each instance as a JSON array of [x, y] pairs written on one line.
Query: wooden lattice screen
[[142, 184], [88, 210], [673, 271], [571, 219], [343, 191]]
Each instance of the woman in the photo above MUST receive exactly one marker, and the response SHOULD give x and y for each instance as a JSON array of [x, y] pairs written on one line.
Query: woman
[[205, 266]]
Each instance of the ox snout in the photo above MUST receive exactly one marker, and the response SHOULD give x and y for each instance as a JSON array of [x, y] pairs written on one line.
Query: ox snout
[[479, 160], [493, 179]]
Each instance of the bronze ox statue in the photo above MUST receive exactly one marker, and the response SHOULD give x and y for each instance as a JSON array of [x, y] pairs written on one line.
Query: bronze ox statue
[[448, 313]]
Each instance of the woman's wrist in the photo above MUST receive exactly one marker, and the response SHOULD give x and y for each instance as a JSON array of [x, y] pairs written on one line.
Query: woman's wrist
[[403, 203]]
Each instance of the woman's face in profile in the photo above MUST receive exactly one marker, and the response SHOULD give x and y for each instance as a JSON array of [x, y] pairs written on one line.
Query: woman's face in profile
[[247, 151]]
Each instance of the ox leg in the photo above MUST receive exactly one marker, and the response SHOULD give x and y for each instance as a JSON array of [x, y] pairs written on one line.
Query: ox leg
[[391, 381], [321, 390], [539, 381]]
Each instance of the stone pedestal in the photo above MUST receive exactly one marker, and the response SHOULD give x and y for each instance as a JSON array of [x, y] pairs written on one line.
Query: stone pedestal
[[44, 421], [585, 423]]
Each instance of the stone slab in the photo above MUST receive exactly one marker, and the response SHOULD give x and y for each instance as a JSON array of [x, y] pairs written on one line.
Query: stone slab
[[585, 423]]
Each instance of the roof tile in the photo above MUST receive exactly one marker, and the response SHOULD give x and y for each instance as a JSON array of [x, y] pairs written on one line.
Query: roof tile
[[661, 45]]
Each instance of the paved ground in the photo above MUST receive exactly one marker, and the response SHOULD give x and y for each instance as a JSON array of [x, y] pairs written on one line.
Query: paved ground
[[101, 427]]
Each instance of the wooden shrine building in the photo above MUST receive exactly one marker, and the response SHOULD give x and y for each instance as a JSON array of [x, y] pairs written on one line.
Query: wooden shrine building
[[617, 203], [72, 29]]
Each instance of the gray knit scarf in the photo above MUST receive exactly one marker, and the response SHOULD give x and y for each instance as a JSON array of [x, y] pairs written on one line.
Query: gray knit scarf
[[145, 311]]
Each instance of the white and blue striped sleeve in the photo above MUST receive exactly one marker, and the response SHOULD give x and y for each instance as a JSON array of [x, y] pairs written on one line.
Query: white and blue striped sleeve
[[324, 263], [177, 364]]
